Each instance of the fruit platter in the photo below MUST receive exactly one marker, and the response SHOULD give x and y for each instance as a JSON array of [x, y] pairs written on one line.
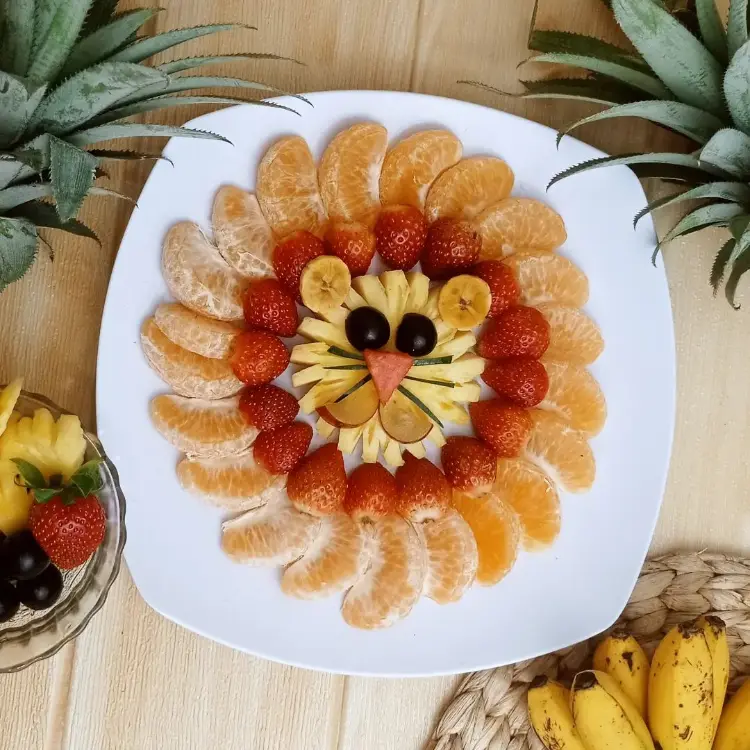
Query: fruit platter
[[372, 379]]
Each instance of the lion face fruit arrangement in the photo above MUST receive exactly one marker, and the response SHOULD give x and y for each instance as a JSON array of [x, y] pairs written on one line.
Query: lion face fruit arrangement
[[677, 701], [389, 369], [50, 517]]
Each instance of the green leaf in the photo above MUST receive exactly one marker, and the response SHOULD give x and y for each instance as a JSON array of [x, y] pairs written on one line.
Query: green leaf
[[712, 29], [739, 261], [738, 226], [715, 214], [674, 54], [9, 169], [17, 195], [729, 150], [189, 63], [736, 88], [13, 101], [737, 25], [100, 14], [18, 243], [17, 23], [44, 215], [134, 129], [720, 263], [421, 404], [343, 353], [565, 42], [88, 479], [103, 153], [89, 93], [57, 24], [72, 173], [148, 46], [107, 39], [31, 476], [682, 118], [597, 89], [44, 495]]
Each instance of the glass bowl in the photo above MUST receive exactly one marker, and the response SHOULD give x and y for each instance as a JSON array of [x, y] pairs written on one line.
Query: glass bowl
[[33, 635]]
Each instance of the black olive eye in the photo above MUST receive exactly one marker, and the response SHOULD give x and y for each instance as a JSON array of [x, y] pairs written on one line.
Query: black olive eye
[[367, 328], [416, 335]]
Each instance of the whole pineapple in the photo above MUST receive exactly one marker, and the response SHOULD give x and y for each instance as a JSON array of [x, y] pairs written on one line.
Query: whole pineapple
[[72, 75], [690, 73]]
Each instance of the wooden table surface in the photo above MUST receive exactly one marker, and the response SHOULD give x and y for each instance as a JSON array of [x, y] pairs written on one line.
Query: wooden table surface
[[136, 681]]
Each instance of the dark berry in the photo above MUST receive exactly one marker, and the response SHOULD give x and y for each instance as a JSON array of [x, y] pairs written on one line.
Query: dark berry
[[367, 328], [416, 335], [8, 601], [43, 591], [22, 557]]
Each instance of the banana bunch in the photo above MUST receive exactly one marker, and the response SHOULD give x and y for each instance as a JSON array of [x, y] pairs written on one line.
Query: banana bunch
[[624, 703]]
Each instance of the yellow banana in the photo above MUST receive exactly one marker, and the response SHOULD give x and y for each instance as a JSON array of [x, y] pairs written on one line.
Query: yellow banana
[[549, 711], [734, 727], [680, 691], [623, 659], [715, 633], [606, 719]]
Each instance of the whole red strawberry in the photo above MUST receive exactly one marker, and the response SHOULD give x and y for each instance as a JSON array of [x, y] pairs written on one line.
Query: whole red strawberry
[[521, 380], [354, 243], [68, 529], [423, 490], [452, 247], [292, 255], [504, 426], [258, 357], [502, 283], [468, 463], [401, 232], [317, 484], [269, 306], [518, 332], [268, 406], [279, 450], [371, 493]]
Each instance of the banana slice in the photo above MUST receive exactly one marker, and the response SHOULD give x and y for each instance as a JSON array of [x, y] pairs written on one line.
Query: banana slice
[[464, 302], [325, 283]]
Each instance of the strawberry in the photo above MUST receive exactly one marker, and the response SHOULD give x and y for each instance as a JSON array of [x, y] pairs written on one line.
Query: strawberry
[[521, 380], [452, 247], [468, 463], [258, 357], [291, 256], [401, 232], [279, 450], [68, 529], [423, 490], [317, 484], [268, 306], [268, 406], [354, 243], [502, 282], [371, 493], [502, 425], [518, 332]]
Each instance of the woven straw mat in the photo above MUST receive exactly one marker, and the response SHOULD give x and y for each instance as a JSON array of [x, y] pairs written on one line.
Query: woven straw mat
[[488, 711]]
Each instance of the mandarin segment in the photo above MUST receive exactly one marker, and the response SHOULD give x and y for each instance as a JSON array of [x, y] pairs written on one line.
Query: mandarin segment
[[349, 173], [333, 562], [519, 224], [187, 373], [394, 580], [469, 187], [575, 396], [194, 332], [287, 189], [548, 277], [414, 163], [574, 337]]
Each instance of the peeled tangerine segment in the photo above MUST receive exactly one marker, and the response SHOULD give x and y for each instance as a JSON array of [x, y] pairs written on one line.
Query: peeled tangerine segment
[[8, 397], [548, 277], [574, 337], [232, 482], [464, 302], [465, 190], [202, 428], [198, 276], [241, 232], [519, 224], [333, 562], [533, 496], [575, 396], [497, 533], [349, 173], [452, 557], [287, 189], [274, 534], [196, 333], [324, 283], [394, 579], [562, 451], [414, 163], [187, 373]]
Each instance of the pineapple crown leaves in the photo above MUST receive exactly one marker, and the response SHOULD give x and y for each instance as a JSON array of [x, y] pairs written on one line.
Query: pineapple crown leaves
[[87, 480]]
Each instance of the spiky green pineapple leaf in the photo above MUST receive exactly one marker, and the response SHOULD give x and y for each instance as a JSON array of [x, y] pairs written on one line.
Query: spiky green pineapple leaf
[[684, 65], [57, 24], [190, 63], [714, 214], [13, 100], [72, 175], [106, 40], [126, 155], [712, 29], [737, 25], [739, 265], [729, 150], [90, 92], [89, 136], [17, 195], [44, 215], [736, 89], [17, 22], [18, 244], [719, 265]]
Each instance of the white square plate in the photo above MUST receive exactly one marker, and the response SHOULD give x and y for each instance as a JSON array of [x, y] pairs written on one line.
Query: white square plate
[[550, 599]]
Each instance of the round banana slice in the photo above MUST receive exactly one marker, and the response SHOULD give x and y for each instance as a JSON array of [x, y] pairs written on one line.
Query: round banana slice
[[464, 302], [325, 282]]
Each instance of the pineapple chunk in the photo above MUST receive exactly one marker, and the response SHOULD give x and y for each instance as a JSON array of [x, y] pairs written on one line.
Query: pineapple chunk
[[8, 397], [335, 315], [371, 440], [417, 449], [461, 370], [456, 346], [354, 299], [372, 291], [349, 437], [438, 399], [396, 292], [321, 330], [419, 290], [392, 453], [466, 393], [329, 389], [15, 501], [444, 332], [308, 375], [430, 308], [317, 354], [326, 429], [437, 437]]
